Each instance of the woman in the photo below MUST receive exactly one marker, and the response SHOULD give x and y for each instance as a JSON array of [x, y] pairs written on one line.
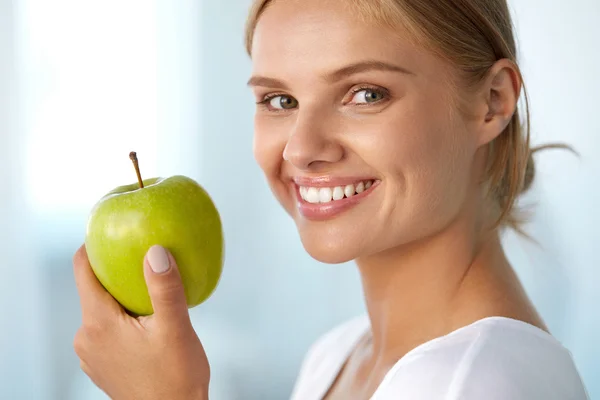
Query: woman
[[389, 131]]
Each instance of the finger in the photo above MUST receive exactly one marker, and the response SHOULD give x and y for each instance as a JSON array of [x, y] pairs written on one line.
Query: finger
[[165, 287], [96, 303]]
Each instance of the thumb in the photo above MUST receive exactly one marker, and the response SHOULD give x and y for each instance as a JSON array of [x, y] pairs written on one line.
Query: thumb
[[165, 286]]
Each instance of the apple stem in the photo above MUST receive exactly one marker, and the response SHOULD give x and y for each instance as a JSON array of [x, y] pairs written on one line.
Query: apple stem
[[136, 165]]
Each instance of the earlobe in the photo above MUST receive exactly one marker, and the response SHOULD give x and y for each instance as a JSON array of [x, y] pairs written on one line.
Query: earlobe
[[502, 89]]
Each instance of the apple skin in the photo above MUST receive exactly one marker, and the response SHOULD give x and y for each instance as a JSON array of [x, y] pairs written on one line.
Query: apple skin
[[176, 213]]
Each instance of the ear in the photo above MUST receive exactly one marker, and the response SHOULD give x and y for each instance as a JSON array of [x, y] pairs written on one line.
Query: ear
[[500, 92]]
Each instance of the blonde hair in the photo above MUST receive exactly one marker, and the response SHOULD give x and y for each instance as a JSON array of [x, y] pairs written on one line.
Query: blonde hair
[[472, 35]]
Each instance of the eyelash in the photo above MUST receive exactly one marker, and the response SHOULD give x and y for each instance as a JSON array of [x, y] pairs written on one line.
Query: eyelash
[[381, 91], [378, 90], [265, 101]]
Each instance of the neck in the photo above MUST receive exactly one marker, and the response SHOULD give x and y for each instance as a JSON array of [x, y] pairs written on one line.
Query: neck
[[427, 289]]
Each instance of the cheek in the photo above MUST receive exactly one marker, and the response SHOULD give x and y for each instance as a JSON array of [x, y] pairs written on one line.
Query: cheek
[[438, 170], [424, 151], [268, 149]]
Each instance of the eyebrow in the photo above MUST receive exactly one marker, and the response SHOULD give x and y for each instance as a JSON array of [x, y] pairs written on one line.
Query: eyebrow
[[349, 70], [267, 82], [365, 66]]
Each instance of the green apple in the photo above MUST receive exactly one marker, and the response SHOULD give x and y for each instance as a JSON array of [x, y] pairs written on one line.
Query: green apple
[[176, 213]]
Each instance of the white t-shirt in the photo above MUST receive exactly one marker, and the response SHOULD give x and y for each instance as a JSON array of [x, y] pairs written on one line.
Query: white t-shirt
[[494, 358]]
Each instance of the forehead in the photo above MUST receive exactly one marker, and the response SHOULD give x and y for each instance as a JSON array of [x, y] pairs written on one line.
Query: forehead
[[309, 35]]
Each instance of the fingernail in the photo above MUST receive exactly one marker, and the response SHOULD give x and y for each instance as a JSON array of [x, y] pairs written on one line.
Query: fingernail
[[158, 259]]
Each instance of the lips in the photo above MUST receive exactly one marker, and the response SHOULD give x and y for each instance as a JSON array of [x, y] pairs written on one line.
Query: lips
[[325, 198]]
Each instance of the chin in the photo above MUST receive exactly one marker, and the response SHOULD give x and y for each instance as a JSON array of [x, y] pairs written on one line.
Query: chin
[[329, 247], [328, 255], [332, 243]]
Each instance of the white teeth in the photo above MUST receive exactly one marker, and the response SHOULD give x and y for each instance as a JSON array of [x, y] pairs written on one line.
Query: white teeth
[[325, 195], [349, 190], [338, 193], [312, 195], [360, 187]]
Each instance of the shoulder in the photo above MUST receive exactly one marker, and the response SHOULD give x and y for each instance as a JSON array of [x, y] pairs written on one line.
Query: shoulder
[[327, 354], [495, 359]]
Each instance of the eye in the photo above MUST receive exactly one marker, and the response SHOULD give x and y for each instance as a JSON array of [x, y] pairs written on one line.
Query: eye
[[368, 96], [281, 102]]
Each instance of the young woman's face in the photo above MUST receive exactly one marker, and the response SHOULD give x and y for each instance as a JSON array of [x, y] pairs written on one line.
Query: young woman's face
[[357, 131]]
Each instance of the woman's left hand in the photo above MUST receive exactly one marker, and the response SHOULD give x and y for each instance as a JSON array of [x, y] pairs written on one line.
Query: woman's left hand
[[154, 357]]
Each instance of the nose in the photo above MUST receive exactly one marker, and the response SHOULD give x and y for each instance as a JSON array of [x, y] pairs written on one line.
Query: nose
[[312, 142]]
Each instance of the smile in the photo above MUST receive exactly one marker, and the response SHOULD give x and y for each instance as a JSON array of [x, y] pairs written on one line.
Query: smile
[[324, 199], [327, 194]]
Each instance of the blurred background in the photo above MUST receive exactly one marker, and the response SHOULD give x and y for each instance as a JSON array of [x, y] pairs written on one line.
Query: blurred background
[[84, 82]]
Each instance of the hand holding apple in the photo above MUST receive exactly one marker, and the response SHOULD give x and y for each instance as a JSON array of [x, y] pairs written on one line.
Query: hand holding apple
[[151, 357], [134, 236], [176, 213]]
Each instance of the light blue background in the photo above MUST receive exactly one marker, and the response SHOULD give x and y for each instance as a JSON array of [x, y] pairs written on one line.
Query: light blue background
[[168, 79]]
